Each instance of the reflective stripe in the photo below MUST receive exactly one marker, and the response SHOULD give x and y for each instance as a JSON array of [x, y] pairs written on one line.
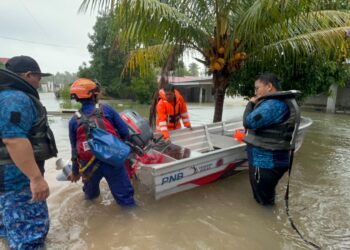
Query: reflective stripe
[[163, 128], [186, 120], [184, 114], [162, 124]]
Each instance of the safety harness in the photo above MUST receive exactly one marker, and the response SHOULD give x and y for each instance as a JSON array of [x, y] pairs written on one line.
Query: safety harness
[[85, 124]]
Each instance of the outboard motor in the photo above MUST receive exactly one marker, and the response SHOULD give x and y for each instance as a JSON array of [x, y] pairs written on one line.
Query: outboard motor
[[141, 133]]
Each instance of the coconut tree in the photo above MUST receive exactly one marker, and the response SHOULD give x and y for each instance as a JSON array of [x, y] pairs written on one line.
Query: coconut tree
[[226, 33]]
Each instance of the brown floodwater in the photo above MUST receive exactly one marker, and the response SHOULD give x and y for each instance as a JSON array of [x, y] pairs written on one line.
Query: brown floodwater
[[221, 215]]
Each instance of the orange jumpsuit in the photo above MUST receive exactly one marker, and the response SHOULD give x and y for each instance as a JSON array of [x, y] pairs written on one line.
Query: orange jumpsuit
[[169, 114]]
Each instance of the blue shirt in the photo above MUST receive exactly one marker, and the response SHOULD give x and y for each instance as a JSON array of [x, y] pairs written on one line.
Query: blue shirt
[[17, 115], [270, 112]]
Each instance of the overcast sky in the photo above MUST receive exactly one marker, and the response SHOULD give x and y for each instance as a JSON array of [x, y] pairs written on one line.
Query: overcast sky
[[50, 31]]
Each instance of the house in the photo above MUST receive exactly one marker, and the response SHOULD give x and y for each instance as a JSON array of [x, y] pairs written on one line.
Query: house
[[194, 88]]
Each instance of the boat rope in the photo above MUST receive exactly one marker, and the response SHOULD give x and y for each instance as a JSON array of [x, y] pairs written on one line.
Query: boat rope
[[286, 199]]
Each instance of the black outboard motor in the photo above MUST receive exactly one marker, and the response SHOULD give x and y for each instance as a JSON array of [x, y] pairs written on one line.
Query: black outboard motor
[[141, 133]]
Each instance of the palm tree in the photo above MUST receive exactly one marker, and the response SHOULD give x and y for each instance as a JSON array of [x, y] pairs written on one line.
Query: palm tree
[[226, 33]]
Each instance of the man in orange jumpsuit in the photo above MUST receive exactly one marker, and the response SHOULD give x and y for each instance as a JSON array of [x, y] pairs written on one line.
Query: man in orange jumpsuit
[[171, 108]]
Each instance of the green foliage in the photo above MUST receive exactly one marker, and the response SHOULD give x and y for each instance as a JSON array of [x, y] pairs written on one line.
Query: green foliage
[[193, 69], [64, 93], [143, 88], [180, 69], [336, 4], [107, 64], [118, 90], [312, 75], [2, 66], [66, 103]]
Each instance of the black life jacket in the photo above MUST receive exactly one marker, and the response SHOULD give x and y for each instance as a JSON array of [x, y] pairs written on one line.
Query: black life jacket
[[277, 136], [40, 134]]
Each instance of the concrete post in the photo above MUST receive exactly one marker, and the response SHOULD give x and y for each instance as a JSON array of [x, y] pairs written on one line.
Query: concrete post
[[332, 98], [200, 94]]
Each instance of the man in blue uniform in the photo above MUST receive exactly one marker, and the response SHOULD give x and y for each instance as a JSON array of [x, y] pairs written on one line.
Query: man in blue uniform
[[271, 118], [26, 142], [85, 164]]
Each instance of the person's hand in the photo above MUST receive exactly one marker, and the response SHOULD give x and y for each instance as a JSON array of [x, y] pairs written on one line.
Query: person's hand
[[254, 99], [167, 141], [74, 177], [40, 188]]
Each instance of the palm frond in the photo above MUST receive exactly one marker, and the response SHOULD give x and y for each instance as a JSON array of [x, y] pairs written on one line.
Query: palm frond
[[146, 20], [265, 13], [320, 42], [99, 5], [305, 23], [144, 59]]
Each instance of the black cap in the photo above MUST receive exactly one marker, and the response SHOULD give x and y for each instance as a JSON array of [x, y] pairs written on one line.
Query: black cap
[[23, 64]]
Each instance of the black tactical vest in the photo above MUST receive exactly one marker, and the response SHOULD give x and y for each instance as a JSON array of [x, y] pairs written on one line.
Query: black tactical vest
[[40, 134], [278, 136]]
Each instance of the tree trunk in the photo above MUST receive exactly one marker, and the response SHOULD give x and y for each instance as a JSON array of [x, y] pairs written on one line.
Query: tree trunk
[[220, 86], [164, 80]]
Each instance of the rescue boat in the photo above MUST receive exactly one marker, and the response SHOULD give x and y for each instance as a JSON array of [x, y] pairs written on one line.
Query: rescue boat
[[196, 157]]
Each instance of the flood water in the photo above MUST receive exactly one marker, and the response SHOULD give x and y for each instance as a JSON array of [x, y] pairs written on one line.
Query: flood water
[[221, 215]]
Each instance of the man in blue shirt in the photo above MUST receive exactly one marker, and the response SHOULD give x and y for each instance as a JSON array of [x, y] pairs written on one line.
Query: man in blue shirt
[[85, 164], [271, 119], [25, 143]]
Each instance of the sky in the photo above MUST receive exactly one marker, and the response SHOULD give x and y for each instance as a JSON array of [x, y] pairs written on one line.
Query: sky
[[50, 31]]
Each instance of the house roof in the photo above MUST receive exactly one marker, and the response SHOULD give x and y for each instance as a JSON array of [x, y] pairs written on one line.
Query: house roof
[[4, 60], [190, 80]]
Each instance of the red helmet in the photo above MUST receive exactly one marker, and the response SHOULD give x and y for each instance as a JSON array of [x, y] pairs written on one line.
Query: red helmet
[[84, 88]]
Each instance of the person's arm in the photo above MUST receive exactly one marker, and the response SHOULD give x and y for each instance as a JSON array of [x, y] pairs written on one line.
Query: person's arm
[[117, 122], [184, 114], [248, 109], [19, 147], [162, 118], [267, 113]]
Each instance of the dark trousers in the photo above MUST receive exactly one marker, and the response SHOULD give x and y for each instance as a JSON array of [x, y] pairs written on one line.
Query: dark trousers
[[118, 181], [263, 182]]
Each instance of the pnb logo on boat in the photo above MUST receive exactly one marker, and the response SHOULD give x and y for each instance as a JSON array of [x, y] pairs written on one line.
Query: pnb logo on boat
[[171, 178]]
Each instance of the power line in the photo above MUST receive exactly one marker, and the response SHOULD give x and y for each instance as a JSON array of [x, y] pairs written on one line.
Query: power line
[[40, 43], [33, 17]]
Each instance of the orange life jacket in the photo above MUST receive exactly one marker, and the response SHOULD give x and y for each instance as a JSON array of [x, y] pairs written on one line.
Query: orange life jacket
[[169, 114]]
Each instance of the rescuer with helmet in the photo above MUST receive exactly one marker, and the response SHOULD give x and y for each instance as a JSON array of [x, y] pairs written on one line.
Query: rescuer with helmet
[[85, 165]]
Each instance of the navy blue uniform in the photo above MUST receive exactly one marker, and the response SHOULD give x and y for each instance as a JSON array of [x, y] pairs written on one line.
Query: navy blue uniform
[[23, 222], [117, 178]]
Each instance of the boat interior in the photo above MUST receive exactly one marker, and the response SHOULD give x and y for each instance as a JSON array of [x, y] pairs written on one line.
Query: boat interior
[[189, 143]]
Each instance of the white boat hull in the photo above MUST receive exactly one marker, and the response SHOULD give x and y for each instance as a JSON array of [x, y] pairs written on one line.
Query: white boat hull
[[210, 153]]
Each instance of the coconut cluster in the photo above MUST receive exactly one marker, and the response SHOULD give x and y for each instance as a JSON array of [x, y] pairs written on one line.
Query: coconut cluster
[[222, 55]]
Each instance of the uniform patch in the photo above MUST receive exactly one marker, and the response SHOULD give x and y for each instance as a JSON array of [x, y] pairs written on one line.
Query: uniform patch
[[86, 146], [15, 117]]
